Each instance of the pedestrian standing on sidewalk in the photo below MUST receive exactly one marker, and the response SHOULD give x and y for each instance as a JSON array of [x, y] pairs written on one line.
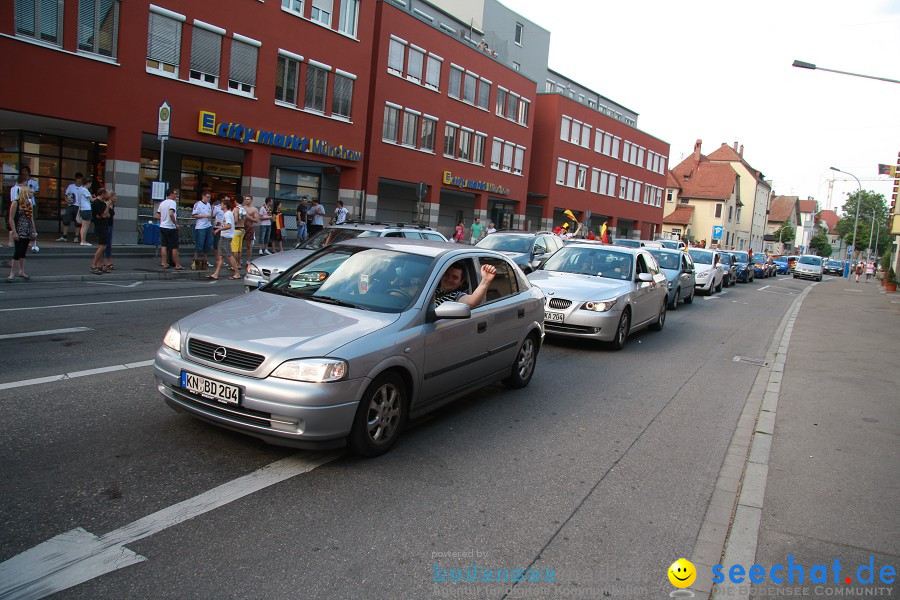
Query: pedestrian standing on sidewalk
[[340, 214], [107, 255], [870, 270], [316, 218], [203, 237], [100, 211], [302, 216], [218, 218], [168, 231], [84, 209], [859, 270], [249, 227], [476, 230], [265, 226], [226, 231], [70, 218], [278, 227], [21, 227], [459, 233]]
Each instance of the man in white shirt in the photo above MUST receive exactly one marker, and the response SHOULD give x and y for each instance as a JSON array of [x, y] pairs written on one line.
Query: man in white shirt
[[70, 218], [316, 217], [168, 230], [203, 236], [340, 214], [83, 195]]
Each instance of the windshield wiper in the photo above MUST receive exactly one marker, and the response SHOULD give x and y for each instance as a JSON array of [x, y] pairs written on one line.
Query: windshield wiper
[[335, 301]]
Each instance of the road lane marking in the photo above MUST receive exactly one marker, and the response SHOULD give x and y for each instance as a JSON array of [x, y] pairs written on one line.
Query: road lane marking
[[762, 288], [108, 302], [77, 556], [7, 336], [73, 375], [122, 285]]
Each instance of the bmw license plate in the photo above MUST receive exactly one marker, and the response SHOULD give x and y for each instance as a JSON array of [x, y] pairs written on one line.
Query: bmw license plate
[[554, 316], [211, 389]]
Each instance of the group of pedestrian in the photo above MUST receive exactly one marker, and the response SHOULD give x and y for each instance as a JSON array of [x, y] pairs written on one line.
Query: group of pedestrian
[[79, 211], [476, 232], [864, 267]]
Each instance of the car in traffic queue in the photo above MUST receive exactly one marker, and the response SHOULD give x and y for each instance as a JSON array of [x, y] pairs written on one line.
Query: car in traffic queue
[[672, 244], [263, 269], [527, 249], [348, 344], [761, 265], [782, 265], [729, 270], [744, 271], [833, 267], [630, 243], [708, 270], [678, 267], [809, 266], [601, 292]]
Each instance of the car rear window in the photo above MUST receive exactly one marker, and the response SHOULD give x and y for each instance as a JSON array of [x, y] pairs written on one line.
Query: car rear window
[[811, 260]]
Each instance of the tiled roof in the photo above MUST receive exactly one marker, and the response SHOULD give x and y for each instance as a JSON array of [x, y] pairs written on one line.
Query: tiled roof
[[681, 215], [712, 181], [807, 206], [781, 208], [726, 153], [672, 180], [831, 219]]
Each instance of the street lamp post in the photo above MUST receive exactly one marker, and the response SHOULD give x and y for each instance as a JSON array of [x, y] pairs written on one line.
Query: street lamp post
[[856, 222], [871, 232], [805, 65]]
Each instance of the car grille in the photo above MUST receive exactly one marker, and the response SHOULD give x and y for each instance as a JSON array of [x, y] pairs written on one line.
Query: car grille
[[267, 272], [559, 303], [563, 328], [238, 359], [235, 413]]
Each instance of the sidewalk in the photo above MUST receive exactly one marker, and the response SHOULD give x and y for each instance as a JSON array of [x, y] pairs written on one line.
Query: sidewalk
[[67, 261], [820, 479]]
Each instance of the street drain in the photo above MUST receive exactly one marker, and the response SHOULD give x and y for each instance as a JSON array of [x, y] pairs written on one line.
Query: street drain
[[753, 361]]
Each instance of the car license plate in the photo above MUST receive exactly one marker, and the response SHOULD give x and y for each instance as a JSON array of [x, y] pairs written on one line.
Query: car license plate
[[554, 316], [209, 388]]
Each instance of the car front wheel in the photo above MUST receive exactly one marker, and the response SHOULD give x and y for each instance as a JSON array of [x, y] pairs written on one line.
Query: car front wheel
[[690, 299], [622, 331], [523, 368], [379, 416], [676, 299], [661, 319]]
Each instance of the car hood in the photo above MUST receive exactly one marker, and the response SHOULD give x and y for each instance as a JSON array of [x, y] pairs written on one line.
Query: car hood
[[671, 274], [269, 324], [520, 258], [574, 286], [281, 261]]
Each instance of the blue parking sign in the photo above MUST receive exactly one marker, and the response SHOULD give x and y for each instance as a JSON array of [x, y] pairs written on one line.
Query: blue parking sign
[[718, 230]]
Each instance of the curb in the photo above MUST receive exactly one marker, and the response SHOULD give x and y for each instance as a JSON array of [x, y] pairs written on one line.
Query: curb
[[124, 276]]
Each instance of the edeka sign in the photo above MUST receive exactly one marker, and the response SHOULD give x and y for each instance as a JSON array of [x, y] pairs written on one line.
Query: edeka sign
[[450, 179], [248, 135]]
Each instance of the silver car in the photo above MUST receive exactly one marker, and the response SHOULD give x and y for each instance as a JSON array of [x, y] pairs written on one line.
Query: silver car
[[347, 345], [602, 292], [678, 267], [809, 266], [264, 269]]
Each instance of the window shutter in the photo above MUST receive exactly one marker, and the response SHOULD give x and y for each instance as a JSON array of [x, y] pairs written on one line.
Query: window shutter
[[343, 93], [243, 63], [206, 50], [25, 17], [86, 12], [164, 40], [48, 20]]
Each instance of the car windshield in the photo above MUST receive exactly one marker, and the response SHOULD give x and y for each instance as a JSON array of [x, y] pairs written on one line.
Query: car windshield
[[740, 258], [703, 257], [834, 263], [780, 259], [759, 258], [326, 237], [601, 262], [671, 245], [810, 260], [629, 243], [506, 243], [667, 260], [365, 278]]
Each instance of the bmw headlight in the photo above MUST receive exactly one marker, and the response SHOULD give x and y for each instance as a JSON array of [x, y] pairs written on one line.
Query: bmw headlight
[[601, 306], [253, 270], [172, 339], [312, 370]]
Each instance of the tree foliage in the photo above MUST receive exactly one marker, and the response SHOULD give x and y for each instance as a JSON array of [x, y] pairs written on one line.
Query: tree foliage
[[819, 243], [785, 232], [867, 200]]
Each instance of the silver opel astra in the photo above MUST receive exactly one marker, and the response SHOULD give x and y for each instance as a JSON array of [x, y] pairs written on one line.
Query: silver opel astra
[[349, 344]]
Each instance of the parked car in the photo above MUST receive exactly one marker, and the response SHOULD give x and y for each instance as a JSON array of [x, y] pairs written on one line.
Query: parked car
[[347, 345], [672, 244], [629, 243], [678, 268], [745, 271], [602, 292], [809, 267], [527, 249], [729, 270], [833, 267], [708, 270], [263, 269]]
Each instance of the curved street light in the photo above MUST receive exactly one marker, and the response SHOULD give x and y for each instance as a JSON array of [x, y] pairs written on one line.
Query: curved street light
[[805, 65], [855, 223]]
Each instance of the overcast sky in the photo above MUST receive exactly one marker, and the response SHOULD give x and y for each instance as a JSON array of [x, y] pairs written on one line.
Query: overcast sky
[[721, 71]]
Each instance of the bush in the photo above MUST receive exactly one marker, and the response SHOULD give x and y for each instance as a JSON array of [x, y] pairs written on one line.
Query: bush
[[886, 260], [891, 277]]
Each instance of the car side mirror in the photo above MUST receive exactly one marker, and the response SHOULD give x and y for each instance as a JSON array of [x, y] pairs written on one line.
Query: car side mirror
[[449, 310], [646, 277], [538, 252]]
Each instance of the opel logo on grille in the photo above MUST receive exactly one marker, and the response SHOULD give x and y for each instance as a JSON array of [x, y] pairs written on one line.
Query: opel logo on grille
[[219, 354]]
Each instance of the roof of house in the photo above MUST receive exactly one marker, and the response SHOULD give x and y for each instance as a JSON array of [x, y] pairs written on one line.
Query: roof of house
[[711, 181], [807, 206], [830, 218], [726, 153], [781, 208], [681, 215], [672, 180]]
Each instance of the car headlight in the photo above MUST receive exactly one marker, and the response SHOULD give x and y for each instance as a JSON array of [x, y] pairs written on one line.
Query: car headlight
[[601, 306], [702, 273], [312, 370], [253, 270], [172, 339]]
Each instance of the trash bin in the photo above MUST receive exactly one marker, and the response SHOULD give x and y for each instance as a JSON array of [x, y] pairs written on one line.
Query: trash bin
[[151, 234]]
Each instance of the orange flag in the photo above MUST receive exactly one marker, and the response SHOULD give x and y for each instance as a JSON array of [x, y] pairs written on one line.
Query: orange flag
[[569, 214]]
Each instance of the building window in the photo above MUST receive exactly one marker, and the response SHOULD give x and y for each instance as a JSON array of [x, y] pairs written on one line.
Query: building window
[[520, 33], [512, 106], [395, 56], [575, 135], [242, 72], [615, 147], [496, 149], [564, 128], [603, 188], [410, 128], [730, 213], [426, 142], [456, 75], [316, 82], [294, 6], [390, 131], [571, 174], [469, 88], [623, 187], [164, 44], [561, 171], [516, 66], [484, 93], [718, 211], [607, 143], [670, 195], [98, 26], [598, 140], [508, 151], [523, 111], [611, 189], [501, 101], [582, 177], [450, 131], [586, 136], [739, 214], [415, 62], [286, 80], [519, 161], [40, 19], [206, 52], [595, 180], [465, 143], [478, 148], [433, 72], [321, 11], [342, 101], [349, 18]]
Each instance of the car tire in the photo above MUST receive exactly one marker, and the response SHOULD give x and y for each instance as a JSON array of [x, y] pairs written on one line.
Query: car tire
[[819, 279], [690, 299], [795, 277], [719, 287], [661, 318], [674, 304], [523, 368], [622, 331], [379, 417]]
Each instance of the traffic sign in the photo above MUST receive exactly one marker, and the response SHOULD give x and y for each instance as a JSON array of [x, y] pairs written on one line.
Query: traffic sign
[[718, 230], [165, 117]]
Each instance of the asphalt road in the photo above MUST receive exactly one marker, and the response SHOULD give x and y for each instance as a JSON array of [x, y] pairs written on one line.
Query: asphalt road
[[598, 473]]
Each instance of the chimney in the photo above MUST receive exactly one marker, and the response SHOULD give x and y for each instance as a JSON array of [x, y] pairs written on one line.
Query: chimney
[[697, 145], [741, 151], [735, 147]]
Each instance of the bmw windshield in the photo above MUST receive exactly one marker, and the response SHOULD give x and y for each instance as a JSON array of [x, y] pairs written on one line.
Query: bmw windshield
[[600, 262]]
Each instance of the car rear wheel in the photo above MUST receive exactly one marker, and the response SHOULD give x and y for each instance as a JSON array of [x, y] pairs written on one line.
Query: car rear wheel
[[523, 368], [379, 416], [719, 287], [676, 299], [690, 299], [661, 319], [622, 331]]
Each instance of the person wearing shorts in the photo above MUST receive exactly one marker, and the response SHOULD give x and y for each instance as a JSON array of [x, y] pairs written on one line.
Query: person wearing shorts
[[168, 230], [70, 217], [226, 231]]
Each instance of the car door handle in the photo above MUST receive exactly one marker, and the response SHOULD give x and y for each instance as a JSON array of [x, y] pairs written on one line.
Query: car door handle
[[520, 313], [482, 327]]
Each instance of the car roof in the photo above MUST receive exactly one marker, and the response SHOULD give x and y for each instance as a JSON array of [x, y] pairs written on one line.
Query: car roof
[[664, 250], [427, 248], [378, 226], [517, 232], [613, 247]]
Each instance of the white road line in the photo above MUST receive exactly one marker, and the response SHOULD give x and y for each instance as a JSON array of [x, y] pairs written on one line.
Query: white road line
[[7, 336], [108, 302], [762, 288], [50, 378], [78, 555], [122, 285]]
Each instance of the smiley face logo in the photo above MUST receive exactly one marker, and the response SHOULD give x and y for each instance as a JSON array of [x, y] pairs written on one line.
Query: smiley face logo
[[682, 573]]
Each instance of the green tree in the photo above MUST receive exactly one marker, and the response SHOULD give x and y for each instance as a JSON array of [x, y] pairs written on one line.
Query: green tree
[[868, 200], [785, 233], [819, 243]]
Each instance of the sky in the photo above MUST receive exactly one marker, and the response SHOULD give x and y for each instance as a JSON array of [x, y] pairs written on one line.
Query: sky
[[720, 71]]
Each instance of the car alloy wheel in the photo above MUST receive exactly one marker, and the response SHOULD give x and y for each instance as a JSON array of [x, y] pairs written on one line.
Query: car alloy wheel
[[622, 331], [523, 368], [661, 319], [676, 299], [690, 299], [379, 416]]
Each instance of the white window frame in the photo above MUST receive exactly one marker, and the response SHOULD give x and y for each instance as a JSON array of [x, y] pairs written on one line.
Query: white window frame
[[351, 78], [519, 35], [433, 76], [500, 107], [212, 35], [571, 174], [582, 177], [318, 14], [615, 146], [496, 150], [96, 34], [236, 86], [426, 141], [38, 25], [394, 110], [348, 20], [469, 87], [519, 160], [156, 64], [457, 73], [291, 60], [314, 68], [575, 134], [464, 144], [595, 180], [410, 132], [611, 189], [395, 61], [483, 95], [451, 138], [415, 72], [478, 144], [565, 127], [585, 135], [524, 108], [508, 152], [293, 7]]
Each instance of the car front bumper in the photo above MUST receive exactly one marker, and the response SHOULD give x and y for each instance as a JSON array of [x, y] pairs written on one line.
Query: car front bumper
[[584, 324], [808, 274]]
